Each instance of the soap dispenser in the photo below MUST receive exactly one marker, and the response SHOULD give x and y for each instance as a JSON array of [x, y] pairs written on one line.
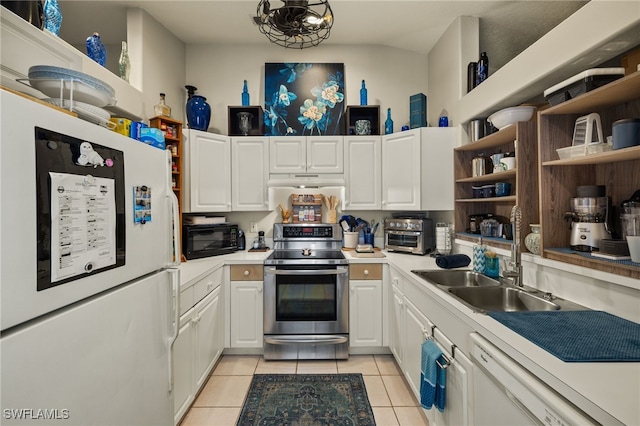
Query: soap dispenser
[[479, 257]]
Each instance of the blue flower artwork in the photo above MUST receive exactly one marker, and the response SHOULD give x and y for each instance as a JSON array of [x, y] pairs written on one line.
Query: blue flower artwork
[[303, 99]]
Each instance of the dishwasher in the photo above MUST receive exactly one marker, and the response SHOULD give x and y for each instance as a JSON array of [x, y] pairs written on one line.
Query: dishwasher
[[506, 394]]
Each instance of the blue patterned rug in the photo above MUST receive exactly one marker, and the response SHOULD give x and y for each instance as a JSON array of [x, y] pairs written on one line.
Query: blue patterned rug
[[306, 399]]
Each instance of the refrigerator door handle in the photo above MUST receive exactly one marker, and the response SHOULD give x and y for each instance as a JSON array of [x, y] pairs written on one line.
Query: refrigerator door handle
[[174, 280], [174, 210]]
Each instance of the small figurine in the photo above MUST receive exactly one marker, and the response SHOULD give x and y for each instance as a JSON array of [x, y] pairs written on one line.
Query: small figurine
[[88, 156]]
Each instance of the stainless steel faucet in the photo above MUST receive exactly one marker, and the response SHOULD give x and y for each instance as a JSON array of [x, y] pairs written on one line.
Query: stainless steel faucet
[[514, 270]]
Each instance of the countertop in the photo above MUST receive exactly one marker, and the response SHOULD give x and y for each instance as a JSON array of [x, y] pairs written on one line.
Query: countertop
[[607, 391]]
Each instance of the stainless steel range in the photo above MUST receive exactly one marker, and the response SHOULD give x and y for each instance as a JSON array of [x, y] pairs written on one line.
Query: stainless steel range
[[306, 297]]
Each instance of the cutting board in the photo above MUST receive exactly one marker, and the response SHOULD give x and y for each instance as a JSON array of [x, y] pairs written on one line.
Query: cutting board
[[577, 336], [39, 101]]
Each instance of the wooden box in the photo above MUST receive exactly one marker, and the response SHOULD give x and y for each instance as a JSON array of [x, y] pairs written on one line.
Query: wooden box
[[363, 112], [257, 120]]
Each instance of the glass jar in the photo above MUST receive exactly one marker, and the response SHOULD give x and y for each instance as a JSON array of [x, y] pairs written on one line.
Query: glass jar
[[532, 240]]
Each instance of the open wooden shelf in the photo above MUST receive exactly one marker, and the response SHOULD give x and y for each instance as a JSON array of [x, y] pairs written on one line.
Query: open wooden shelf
[[618, 171]]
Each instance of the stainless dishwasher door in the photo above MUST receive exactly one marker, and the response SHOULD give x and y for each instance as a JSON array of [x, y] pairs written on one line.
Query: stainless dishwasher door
[[506, 394]]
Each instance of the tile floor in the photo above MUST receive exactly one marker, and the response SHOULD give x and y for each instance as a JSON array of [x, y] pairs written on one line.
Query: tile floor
[[221, 399]]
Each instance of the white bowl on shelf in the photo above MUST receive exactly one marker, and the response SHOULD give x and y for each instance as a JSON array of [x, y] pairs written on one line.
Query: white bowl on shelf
[[509, 116]]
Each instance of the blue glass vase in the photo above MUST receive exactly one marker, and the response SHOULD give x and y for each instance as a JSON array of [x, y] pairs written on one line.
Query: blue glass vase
[[198, 110], [52, 16], [96, 50]]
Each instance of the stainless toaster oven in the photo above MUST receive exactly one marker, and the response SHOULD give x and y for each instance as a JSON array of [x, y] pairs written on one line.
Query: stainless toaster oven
[[409, 235]]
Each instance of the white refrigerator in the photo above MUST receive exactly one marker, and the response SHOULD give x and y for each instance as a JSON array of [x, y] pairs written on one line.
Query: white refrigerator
[[88, 282]]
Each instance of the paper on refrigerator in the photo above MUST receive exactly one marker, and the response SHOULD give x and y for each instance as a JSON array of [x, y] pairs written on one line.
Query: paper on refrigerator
[[83, 228]]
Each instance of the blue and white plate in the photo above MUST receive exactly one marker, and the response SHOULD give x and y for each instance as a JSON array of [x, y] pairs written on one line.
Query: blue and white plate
[[85, 111], [55, 82]]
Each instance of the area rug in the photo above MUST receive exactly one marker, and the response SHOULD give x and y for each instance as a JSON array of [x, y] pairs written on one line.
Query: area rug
[[306, 399]]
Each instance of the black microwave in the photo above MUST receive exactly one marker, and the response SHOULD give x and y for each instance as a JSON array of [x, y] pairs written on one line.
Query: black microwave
[[200, 241]]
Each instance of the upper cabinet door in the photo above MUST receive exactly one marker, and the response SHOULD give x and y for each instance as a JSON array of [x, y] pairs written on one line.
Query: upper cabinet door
[[401, 171], [363, 172], [250, 168], [209, 172], [287, 154], [325, 154], [437, 146]]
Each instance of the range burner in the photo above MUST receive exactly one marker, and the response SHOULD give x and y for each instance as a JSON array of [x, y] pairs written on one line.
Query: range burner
[[298, 256]]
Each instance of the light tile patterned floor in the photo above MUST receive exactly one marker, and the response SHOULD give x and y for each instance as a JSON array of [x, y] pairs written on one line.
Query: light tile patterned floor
[[221, 399]]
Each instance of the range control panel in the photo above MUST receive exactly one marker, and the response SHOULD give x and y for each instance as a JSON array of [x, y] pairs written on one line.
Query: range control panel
[[307, 231]]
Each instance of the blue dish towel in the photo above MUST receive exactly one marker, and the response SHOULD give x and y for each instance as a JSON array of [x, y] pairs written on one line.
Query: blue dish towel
[[453, 261], [433, 378]]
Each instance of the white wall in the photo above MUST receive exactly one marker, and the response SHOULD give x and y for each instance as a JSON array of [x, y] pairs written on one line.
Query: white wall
[[157, 62], [448, 60], [391, 75]]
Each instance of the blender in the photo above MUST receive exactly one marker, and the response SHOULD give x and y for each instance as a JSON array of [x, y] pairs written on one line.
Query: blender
[[589, 218]]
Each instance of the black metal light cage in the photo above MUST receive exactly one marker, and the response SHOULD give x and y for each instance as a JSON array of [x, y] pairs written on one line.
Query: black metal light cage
[[297, 24]]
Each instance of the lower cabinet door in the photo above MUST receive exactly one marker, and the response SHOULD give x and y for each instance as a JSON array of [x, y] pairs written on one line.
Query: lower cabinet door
[[396, 335], [183, 366], [365, 313], [414, 326], [246, 314], [209, 335]]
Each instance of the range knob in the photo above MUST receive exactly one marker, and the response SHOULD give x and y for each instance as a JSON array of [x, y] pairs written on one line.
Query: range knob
[[406, 225]]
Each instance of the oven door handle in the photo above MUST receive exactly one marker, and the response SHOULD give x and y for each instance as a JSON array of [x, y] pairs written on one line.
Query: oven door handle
[[404, 233], [275, 271], [318, 340]]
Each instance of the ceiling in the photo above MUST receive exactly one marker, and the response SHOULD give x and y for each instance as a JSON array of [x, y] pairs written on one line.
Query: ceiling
[[506, 27]]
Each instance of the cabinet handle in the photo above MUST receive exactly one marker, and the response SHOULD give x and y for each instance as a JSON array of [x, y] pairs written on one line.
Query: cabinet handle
[[259, 289], [209, 284], [246, 273], [353, 290], [366, 272]]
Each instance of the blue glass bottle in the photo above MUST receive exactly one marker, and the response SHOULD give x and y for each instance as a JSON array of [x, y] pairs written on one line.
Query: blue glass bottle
[[388, 124], [96, 50], [363, 94], [483, 68], [52, 16], [245, 94]]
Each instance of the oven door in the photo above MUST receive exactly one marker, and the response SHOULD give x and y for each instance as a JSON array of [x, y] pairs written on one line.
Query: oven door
[[306, 300], [405, 241]]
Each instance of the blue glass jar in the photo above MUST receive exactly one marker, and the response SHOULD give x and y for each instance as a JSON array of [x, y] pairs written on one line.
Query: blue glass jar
[[198, 110], [96, 50], [52, 16]]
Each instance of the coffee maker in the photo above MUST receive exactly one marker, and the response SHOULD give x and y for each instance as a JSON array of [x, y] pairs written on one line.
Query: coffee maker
[[589, 217]]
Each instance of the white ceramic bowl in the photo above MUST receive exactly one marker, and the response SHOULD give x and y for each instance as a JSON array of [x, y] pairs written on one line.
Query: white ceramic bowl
[[508, 116]]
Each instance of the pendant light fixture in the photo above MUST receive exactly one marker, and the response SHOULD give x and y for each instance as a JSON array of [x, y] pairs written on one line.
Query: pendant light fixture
[[297, 24]]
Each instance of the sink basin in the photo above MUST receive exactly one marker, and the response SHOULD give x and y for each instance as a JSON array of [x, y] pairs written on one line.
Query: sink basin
[[501, 299], [456, 278]]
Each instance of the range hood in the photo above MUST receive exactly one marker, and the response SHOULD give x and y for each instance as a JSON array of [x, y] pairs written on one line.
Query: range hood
[[304, 180]]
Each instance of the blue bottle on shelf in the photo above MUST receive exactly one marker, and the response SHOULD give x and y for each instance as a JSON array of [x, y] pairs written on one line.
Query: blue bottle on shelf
[[363, 94], [388, 124], [96, 50], [483, 68], [245, 94]]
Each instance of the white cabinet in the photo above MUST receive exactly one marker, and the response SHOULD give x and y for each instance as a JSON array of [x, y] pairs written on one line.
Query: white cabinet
[[417, 169], [250, 172], [207, 176], [365, 305], [200, 339], [363, 172], [305, 154], [183, 366], [401, 171], [396, 335], [246, 306], [414, 326], [437, 144], [209, 335]]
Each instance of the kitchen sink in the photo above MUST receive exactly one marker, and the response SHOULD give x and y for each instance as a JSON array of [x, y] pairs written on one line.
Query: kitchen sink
[[501, 299], [456, 278], [483, 294]]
